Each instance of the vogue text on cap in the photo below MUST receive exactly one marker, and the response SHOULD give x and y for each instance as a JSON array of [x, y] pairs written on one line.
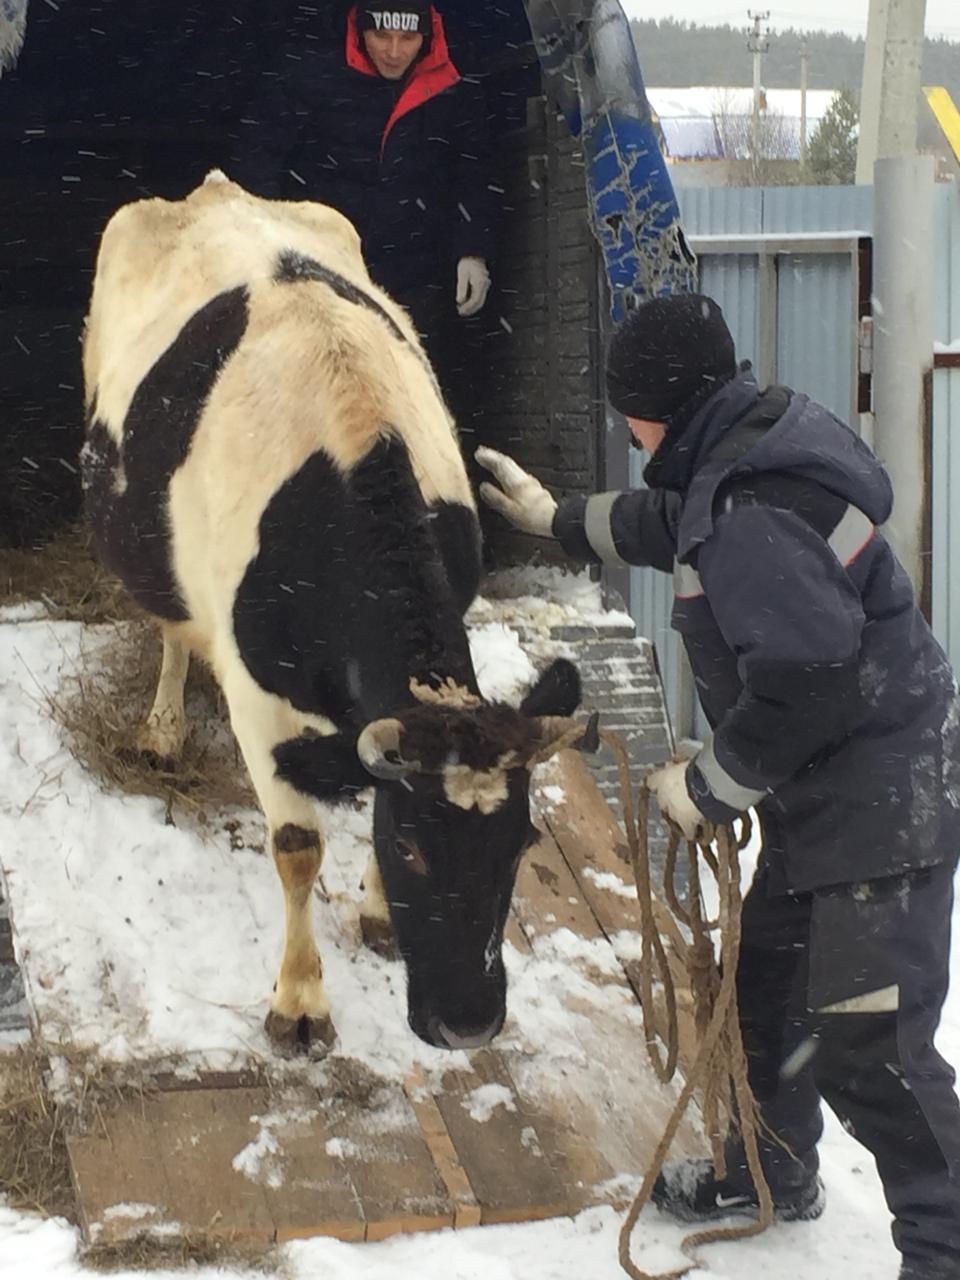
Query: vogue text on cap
[[396, 21]]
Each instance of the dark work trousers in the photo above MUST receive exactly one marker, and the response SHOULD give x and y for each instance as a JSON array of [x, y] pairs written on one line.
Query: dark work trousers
[[840, 995], [454, 344]]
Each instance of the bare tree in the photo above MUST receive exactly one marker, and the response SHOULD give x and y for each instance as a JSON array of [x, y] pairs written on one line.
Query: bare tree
[[777, 144]]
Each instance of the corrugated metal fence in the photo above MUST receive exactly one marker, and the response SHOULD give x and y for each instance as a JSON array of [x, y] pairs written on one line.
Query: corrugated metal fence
[[783, 264]]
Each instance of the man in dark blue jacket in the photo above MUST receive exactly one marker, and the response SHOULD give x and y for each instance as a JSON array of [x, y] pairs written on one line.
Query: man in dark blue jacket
[[383, 127], [835, 714]]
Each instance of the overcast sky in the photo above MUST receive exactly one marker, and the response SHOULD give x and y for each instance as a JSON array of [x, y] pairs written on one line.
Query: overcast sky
[[943, 16]]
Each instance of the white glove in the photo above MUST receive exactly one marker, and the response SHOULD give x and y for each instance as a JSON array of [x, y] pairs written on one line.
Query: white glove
[[668, 784], [521, 498], [473, 285]]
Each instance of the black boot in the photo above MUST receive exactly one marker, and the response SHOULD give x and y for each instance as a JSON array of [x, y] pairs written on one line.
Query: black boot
[[690, 1191]]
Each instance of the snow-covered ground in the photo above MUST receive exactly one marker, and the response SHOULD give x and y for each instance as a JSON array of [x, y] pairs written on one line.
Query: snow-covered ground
[[107, 901]]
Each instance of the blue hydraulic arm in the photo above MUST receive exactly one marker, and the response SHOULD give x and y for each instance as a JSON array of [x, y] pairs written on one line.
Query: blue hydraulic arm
[[593, 75], [13, 21]]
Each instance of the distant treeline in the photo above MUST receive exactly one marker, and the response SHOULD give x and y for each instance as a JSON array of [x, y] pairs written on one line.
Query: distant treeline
[[682, 53]]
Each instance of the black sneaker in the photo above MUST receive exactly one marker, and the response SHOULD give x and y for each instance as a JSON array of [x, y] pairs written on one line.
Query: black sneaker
[[690, 1191]]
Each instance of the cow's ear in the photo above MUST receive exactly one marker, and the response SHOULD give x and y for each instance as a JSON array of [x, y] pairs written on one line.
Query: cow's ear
[[325, 767], [556, 693]]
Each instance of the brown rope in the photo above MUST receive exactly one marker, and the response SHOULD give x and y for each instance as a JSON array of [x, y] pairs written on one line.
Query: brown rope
[[720, 1067], [654, 965], [566, 732]]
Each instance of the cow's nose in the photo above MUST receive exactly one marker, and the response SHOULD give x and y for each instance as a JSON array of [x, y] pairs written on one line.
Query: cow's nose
[[465, 1037]]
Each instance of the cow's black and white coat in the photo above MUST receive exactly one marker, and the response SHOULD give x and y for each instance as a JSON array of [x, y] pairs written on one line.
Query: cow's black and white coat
[[272, 471]]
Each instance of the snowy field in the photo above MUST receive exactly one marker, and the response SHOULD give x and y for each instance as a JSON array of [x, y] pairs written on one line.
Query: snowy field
[[128, 930]]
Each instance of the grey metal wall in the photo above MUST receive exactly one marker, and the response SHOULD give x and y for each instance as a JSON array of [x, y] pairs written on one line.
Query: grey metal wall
[[815, 351], [945, 468], [815, 346], [817, 338]]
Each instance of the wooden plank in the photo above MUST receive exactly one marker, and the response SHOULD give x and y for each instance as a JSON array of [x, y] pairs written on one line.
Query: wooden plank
[[348, 1169], [583, 1111], [169, 1082], [316, 1196], [115, 1167], [547, 897], [604, 1122], [603, 880], [510, 1177], [390, 1165], [593, 1153], [599, 1116], [599, 1112], [466, 1210], [513, 932], [594, 847], [591, 838], [198, 1136]]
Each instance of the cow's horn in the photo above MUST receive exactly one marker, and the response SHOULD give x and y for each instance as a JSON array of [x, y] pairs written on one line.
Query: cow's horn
[[380, 741]]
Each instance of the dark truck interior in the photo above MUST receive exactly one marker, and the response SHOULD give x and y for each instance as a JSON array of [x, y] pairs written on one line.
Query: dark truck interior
[[112, 102]]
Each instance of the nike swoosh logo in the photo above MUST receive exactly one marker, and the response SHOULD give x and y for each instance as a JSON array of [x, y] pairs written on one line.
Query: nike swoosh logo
[[730, 1202]]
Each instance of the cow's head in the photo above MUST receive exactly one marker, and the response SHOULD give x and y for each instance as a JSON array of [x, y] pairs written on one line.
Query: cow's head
[[451, 821]]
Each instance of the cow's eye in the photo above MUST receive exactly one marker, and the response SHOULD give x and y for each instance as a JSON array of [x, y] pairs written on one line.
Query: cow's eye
[[411, 857]]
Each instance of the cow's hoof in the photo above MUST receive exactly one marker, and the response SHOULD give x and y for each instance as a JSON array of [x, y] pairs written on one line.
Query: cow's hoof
[[143, 757], [160, 746], [377, 934], [300, 1035]]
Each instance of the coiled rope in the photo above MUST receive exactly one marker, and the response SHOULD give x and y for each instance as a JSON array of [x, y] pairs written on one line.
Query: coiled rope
[[719, 1069]]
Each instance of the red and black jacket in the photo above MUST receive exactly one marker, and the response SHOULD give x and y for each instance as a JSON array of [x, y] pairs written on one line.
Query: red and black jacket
[[406, 161]]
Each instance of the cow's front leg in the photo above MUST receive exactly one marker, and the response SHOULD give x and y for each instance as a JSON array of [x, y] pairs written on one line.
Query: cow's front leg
[[375, 926], [299, 1011], [162, 735]]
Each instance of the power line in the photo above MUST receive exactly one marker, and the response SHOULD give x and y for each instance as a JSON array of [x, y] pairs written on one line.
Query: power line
[[758, 44], [757, 41]]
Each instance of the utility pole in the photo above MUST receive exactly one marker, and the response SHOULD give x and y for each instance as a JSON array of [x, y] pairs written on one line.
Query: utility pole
[[901, 81], [804, 65], [903, 275], [758, 44]]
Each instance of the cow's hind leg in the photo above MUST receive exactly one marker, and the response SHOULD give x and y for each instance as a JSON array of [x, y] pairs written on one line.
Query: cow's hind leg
[[299, 1011], [375, 925], [162, 735]]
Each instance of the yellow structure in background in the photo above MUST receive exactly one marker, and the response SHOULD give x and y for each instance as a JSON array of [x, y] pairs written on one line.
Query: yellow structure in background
[[948, 117]]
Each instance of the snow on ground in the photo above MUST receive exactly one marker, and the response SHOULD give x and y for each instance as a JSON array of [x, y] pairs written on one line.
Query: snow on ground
[[152, 943]]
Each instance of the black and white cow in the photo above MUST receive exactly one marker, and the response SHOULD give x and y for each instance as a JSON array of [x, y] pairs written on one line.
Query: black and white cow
[[272, 472]]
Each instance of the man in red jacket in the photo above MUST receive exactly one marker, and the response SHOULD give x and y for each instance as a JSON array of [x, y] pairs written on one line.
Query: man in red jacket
[[384, 128]]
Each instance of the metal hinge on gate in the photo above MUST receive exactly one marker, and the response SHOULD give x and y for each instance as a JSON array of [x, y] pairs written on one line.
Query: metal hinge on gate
[[865, 343]]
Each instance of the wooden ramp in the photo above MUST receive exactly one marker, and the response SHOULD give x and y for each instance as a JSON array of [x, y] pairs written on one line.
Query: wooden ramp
[[360, 1158]]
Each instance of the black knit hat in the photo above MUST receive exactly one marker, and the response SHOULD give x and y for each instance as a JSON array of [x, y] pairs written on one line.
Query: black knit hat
[[405, 16], [666, 352]]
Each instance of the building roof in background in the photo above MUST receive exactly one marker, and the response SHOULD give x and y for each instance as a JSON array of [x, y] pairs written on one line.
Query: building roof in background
[[712, 122]]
